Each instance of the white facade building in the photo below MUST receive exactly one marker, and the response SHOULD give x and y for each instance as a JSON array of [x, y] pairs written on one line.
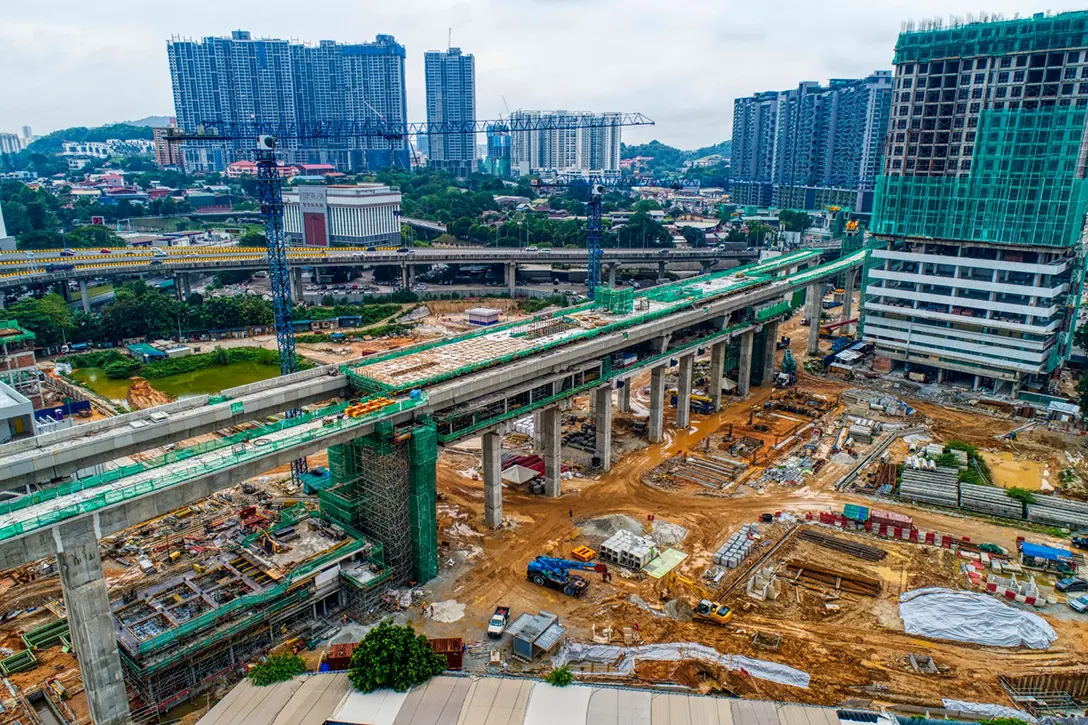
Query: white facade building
[[566, 150], [351, 215]]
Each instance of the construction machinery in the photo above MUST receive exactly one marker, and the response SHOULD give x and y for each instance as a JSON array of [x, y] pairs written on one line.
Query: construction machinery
[[701, 404], [550, 571], [706, 609], [265, 137], [788, 375]]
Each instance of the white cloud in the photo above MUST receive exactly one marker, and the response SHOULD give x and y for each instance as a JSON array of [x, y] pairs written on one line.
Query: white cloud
[[680, 63]]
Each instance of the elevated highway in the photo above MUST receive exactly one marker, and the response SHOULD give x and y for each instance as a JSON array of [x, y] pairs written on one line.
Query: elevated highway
[[472, 384], [49, 266]]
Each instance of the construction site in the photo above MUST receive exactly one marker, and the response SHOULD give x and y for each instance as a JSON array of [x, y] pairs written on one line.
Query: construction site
[[743, 510]]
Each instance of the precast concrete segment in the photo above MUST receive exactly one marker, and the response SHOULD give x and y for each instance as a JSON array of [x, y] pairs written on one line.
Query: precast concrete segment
[[88, 605], [492, 479], [602, 419], [815, 308], [683, 391], [716, 373], [657, 404], [744, 371], [552, 440], [771, 329]]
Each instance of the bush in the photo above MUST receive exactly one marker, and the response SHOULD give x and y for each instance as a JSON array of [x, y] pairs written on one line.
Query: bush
[[219, 356], [560, 676], [395, 657], [1020, 494], [95, 359], [120, 369], [947, 460], [276, 668]]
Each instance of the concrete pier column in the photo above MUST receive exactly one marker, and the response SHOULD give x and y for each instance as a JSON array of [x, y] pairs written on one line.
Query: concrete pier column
[[512, 278], [683, 392], [744, 370], [411, 275], [612, 274], [815, 307], [297, 284], [84, 297], [3, 295], [716, 373], [492, 479], [65, 290], [657, 404], [848, 299], [768, 352], [404, 275], [552, 442], [625, 397], [179, 287], [661, 270], [603, 421], [88, 605]]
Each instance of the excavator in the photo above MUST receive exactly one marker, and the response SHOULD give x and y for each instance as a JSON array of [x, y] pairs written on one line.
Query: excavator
[[706, 610]]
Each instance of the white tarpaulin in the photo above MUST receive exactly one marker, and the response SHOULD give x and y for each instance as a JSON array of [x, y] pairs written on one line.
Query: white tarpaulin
[[991, 711], [625, 658], [971, 617], [519, 474]]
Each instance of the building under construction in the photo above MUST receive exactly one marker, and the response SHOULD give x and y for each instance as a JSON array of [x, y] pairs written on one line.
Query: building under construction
[[181, 635]]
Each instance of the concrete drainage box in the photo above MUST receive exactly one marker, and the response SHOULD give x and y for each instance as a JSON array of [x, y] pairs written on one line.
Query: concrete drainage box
[[629, 550]]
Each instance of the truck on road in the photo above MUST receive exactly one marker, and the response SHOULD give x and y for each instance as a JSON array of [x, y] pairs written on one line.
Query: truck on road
[[498, 622]]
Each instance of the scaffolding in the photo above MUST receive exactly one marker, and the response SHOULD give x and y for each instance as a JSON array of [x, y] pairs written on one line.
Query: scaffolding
[[999, 37], [1025, 187], [384, 486]]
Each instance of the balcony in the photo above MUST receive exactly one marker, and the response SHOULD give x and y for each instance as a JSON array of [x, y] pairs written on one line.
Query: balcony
[[971, 284], [1056, 268]]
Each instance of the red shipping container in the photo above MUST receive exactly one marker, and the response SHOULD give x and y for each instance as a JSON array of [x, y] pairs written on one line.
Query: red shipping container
[[452, 648], [891, 518], [339, 655]]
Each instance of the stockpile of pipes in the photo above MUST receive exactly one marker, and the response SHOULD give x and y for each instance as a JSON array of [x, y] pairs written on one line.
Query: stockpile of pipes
[[923, 480], [792, 471], [737, 547]]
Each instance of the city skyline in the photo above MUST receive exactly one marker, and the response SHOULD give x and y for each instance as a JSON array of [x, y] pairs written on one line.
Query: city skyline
[[56, 68]]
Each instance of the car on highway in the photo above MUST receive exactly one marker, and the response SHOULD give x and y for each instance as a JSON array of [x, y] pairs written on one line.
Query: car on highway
[[1079, 604], [371, 249], [531, 249], [1071, 584], [155, 261], [67, 253], [403, 250], [546, 250], [105, 251]]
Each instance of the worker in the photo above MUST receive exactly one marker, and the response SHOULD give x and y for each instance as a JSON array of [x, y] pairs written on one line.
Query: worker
[[571, 514]]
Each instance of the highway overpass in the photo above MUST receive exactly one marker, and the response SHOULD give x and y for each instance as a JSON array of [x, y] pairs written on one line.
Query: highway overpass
[[469, 385]]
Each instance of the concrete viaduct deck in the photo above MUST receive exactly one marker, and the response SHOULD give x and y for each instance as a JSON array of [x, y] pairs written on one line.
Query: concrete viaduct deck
[[69, 525]]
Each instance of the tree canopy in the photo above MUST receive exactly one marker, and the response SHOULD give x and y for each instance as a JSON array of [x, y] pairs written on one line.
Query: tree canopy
[[395, 657]]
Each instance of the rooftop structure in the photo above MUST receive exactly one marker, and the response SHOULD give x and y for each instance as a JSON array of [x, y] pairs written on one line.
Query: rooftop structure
[[977, 259]]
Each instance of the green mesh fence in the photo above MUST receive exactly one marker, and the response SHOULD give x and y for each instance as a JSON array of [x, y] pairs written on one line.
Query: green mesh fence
[[1039, 32], [12, 332], [422, 457], [1024, 187], [617, 300]]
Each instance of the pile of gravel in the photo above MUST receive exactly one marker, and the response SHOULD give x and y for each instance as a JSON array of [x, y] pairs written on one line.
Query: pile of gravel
[[667, 534], [605, 526]]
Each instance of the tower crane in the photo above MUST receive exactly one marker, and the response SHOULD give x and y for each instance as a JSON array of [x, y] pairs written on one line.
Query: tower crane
[[260, 139], [598, 186]]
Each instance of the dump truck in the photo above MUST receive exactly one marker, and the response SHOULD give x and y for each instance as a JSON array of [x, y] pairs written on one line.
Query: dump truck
[[497, 625]]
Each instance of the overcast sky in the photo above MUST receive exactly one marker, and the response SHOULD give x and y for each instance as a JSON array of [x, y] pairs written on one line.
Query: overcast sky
[[67, 63]]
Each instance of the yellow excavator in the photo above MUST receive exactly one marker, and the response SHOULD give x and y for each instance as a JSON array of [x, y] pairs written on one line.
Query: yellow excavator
[[706, 610]]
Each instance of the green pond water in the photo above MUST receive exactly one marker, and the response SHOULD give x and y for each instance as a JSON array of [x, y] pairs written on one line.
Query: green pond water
[[207, 381]]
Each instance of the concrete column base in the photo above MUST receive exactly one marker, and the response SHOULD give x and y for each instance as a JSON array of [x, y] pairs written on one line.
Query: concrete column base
[[492, 479], [552, 440], [603, 423], [683, 392], [91, 623], [657, 404], [815, 307]]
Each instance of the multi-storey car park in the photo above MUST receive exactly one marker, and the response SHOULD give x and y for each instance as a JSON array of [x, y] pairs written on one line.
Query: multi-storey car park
[[977, 254], [377, 518]]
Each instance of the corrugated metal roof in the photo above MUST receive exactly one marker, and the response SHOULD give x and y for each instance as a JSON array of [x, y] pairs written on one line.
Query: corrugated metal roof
[[371, 708], [801, 715], [496, 701], [312, 703], [250, 705], [550, 636], [549, 705], [438, 702], [754, 712], [530, 626], [620, 707], [687, 710]]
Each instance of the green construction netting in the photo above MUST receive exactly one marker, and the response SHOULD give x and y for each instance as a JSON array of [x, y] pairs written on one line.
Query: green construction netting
[[1039, 32], [422, 457], [617, 300], [1024, 187]]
